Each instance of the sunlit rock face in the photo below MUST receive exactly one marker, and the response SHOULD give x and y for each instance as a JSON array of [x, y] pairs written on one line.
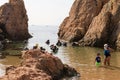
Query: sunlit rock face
[[14, 20], [80, 17], [93, 23], [39, 65]]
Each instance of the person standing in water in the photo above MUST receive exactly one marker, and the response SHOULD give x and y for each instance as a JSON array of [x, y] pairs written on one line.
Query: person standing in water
[[107, 55], [98, 60]]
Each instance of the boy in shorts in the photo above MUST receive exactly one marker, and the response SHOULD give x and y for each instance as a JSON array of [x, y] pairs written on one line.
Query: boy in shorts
[[98, 60]]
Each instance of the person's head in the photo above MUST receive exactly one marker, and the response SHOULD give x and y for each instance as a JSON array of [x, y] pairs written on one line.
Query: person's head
[[37, 45], [105, 46], [98, 54]]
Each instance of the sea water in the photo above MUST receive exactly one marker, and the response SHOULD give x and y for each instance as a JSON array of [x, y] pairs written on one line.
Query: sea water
[[80, 58]]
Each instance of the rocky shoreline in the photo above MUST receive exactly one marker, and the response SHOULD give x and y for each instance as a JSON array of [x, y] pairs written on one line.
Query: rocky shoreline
[[39, 65]]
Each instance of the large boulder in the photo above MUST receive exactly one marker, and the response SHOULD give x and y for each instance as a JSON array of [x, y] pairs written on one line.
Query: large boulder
[[97, 33], [14, 20], [38, 65], [104, 28], [43, 61], [98, 22], [81, 15]]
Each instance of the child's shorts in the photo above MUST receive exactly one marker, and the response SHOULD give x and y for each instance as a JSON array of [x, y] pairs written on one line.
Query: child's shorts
[[97, 63]]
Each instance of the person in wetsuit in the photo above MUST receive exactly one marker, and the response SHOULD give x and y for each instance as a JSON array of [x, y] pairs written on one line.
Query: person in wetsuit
[[47, 42]]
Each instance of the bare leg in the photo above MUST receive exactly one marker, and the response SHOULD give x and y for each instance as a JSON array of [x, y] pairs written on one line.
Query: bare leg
[[105, 60], [108, 60]]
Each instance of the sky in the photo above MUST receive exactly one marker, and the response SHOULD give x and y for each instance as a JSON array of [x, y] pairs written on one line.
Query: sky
[[46, 12]]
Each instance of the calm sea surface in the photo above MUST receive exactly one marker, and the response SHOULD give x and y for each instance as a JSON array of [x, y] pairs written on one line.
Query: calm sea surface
[[81, 58]]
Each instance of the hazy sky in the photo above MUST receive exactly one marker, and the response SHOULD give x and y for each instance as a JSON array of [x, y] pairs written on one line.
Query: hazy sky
[[46, 12]]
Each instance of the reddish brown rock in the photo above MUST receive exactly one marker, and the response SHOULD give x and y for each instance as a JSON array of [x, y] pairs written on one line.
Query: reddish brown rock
[[81, 15], [25, 73], [93, 23], [104, 27], [37, 65], [97, 33], [14, 20], [50, 64]]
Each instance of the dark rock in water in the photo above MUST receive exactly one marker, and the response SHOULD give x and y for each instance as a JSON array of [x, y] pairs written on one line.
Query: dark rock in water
[[75, 44], [14, 21], [64, 44], [59, 43], [2, 55], [68, 71], [37, 65]]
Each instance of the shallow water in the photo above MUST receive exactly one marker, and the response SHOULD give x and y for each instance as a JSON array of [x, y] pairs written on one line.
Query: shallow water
[[81, 58]]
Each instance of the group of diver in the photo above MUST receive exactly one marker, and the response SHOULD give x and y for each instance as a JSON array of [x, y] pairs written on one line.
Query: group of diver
[[59, 43], [53, 47]]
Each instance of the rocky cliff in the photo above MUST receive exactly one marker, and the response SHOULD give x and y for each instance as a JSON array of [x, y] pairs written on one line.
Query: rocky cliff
[[93, 23], [38, 65], [14, 21]]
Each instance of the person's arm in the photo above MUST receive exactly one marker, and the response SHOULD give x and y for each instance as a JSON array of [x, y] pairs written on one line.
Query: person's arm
[[111, 50]]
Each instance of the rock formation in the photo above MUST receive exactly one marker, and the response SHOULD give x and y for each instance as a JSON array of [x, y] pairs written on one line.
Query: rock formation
[[14, 21], [93, 23], [38, 65]]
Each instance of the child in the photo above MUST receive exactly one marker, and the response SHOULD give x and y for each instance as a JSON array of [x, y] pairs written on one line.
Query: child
[[98, 60]]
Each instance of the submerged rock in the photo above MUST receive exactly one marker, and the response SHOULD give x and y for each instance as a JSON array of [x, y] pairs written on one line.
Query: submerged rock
[[93, 23], [14, 21], [37, 65]]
